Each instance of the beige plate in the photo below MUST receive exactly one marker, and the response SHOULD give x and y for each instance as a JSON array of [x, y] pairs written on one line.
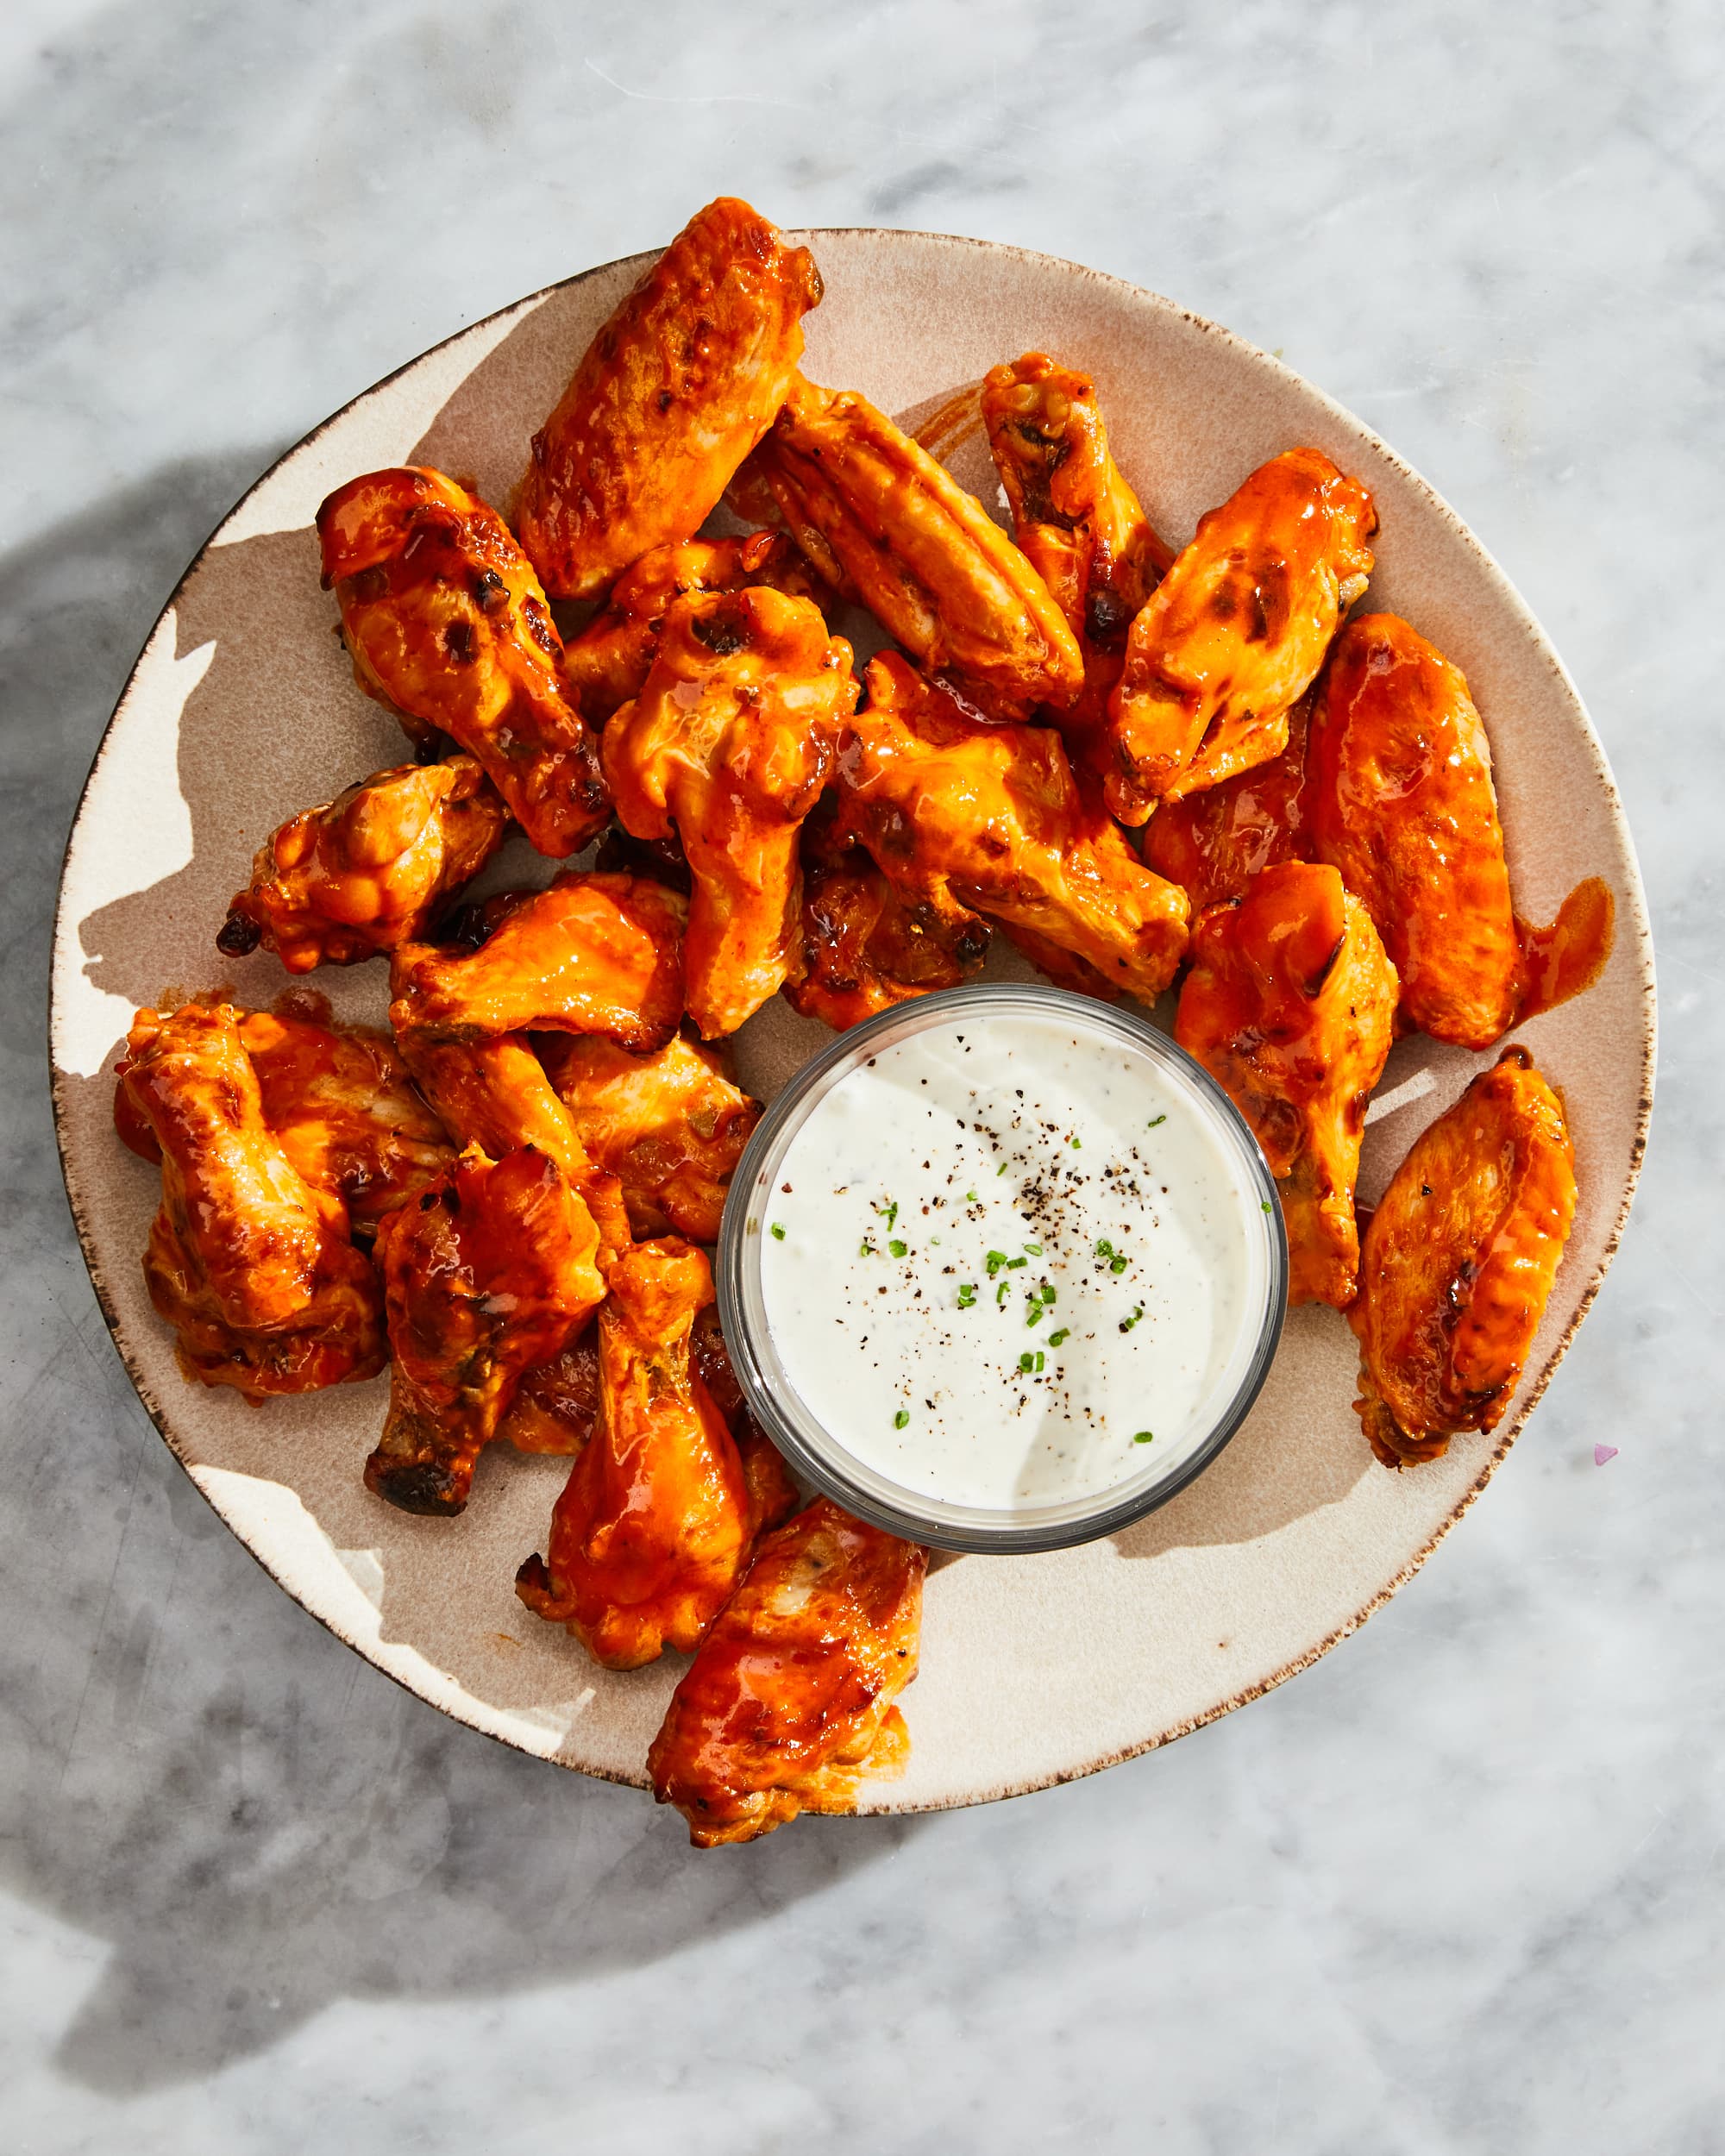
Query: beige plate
[[241, 708]]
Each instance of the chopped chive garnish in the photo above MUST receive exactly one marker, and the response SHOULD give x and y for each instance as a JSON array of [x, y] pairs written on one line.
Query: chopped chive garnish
[[898, 1248], [969, 1197], [1026, 1362], [993, 1260], [1017, 1264], [967, 1293], [1126, 1324], [1035, 1249], [1150, 1126], [1105, 1249], [1048, 1295], [902, 1417], [1264, 1203], [1004, 1291], [1117, 1265], [776, 1232], [866, 1249], [1055, 1338], [1073, 1143], [1034, 1314], [1002, 1170], [1144, 1437], [1039, 1365]]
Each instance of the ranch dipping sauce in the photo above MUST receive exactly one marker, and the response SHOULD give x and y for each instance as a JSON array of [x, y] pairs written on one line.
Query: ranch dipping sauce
[[1013, 1260]]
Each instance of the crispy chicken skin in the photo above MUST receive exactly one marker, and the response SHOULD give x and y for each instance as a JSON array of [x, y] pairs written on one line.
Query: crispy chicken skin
[[1212, 843], [654, 1526], [877, 516], [670, 1126], [966, 818], [672, 394], [589, 954], [788, 1704], [1400, 798], [608, 663], [731, 740], [556, 1403], [865, 949], [1458, 1263], [369, 870], [488, 1272], [250, 1264], [1236, 631], [447, 626], [1290, 1005]]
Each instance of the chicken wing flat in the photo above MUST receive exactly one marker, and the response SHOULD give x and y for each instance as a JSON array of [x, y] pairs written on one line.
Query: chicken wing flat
[[865, 949], [1212, 843], [589, 954], [731, 739], [608, 663], [489, 1272], [368, 870], [1290, 1005], [1458, 1261], [965, 818], [1236, 631], [654, 1526], [446, 624], [1400, 798], [672, 394], [670, 1126], [879, 517], [251, 1265], [789, 1702]]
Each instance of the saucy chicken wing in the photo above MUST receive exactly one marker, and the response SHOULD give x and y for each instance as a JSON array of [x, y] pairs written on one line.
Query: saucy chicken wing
[[731, 739], [789, 1702], [1290, 1005], [1212, 843], [447, 626], [251, 1265], [368, 870], [879, 517], [1458, 1261], [608, 663], [966, 818], [1236, 631], [1400, 799], [670, 1126], [669, 397], [589, 954], [865, 949], [650, 1536], [489, 1272]]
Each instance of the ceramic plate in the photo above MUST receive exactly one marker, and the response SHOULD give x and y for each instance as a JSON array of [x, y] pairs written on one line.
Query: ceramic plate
[[241, 708]]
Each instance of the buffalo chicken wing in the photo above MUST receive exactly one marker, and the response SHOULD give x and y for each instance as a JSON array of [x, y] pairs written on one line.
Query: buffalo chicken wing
[[789, 1702], [1458, 1261], [446, 624], [864, 949], [1212, 843]]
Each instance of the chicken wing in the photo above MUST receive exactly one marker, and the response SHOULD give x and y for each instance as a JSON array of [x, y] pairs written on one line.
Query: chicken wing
[[865, 949], [447, 626], [672, 394], [1400, 798], [251, 1264], [670, 1126], [368, 870], [1290, 1005], [1234, 634], [1212, 843], [731, 739], [965, 818], [788, 1704], [589, 954], [650, 1536], [878, 516], [608, 663], [1458, 1261], [489, 1272]]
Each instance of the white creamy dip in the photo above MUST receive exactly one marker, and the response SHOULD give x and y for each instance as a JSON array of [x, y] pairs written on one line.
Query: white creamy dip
[[1010, 1260]]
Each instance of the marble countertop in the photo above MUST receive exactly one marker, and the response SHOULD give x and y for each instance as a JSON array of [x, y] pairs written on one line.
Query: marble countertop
[[1456, 1887]]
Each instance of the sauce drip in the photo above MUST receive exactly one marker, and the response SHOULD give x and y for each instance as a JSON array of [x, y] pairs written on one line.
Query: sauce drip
[[1568, 957]]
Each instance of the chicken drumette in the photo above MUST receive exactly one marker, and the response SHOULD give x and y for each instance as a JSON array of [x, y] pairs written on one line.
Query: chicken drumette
[[368, 870], [670, 396], [964, 818], [1235, 632], [1290, 1005], [446, 624], [731, 740], [1458, 1262], [789, 1702]]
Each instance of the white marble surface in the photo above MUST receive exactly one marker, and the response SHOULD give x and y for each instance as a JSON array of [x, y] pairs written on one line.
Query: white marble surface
[[1458, 1887]]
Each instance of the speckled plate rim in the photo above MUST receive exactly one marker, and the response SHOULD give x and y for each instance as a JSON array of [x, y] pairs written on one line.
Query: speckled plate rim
[[1633, 926]]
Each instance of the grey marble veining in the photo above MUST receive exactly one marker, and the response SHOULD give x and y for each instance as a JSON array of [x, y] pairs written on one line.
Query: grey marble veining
[[1456, 1889]]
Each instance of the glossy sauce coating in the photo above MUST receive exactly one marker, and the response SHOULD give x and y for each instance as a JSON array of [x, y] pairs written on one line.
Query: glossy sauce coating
[[864, 949], [1212, 843], [1399, 797], [788, 1704], [446, 624], [1235, 632], [879, 517], [730, 741], [673, 393], [1290, 1005], [963, 818], [1459, 1262], [485, 1274]]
